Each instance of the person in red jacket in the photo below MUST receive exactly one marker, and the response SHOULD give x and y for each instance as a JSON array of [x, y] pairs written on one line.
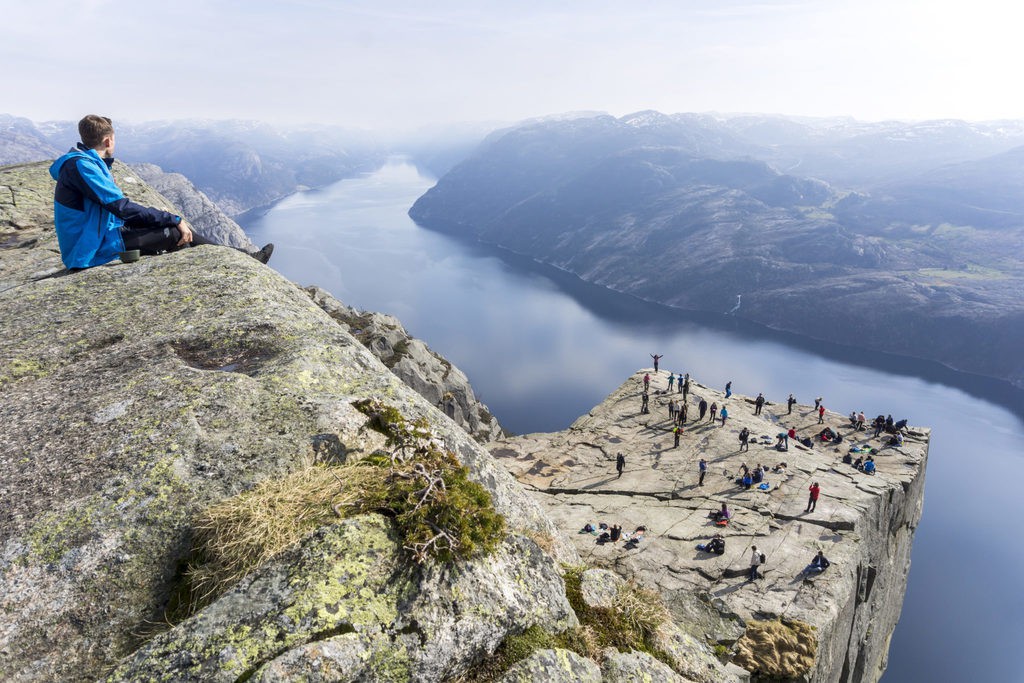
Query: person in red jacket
[[812, 500], [821, 414]]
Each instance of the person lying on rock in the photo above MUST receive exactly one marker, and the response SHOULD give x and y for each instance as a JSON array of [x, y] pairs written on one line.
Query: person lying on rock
[[93, 218]]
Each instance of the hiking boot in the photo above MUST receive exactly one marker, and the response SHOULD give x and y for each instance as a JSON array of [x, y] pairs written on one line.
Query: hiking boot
[[263, 255]]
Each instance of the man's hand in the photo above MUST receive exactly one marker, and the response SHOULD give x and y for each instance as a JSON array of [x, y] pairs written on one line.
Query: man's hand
[[186, 232]]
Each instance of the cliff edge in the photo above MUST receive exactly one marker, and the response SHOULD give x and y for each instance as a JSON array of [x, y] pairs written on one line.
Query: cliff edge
[[211, 474]]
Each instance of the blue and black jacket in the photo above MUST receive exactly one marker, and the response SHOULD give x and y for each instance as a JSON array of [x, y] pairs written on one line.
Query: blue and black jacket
[[89, 210]]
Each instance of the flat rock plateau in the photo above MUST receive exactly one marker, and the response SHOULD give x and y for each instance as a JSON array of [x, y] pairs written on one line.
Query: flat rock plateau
[[863, 523]]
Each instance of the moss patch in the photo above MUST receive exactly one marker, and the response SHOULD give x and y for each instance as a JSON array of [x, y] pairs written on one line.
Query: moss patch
[[629, 624]]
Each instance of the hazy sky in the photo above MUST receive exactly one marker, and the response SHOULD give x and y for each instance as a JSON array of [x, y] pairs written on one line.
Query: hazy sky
[[381, 64]]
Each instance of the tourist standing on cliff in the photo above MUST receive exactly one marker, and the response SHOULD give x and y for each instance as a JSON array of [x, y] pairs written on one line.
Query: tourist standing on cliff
[[647, 382], [676, 432], [702, 409], [725, 415], [714, 411], [790, 402], [95, 221], [671, 410], [702, 468], [817, 402], [744, 439], [821, 414], [671, 381], [812, 499], [758, 403], [656, 359], [755, 562], [681, 413], [620, 464], [644, 405], [686, 385], [728, 389]]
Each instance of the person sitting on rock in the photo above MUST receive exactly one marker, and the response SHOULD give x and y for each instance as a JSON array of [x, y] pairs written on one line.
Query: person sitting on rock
[[819, 564], [721, 515], [848, 458], [757, 476], [869, 465], [780, 468], [616, 533], [716, 545], [95, 221]]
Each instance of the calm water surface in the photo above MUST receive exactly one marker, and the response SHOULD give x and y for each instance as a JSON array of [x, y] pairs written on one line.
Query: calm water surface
[[541, 348]]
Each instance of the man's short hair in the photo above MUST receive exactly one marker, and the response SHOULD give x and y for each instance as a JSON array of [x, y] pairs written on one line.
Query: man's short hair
[[92, 129]]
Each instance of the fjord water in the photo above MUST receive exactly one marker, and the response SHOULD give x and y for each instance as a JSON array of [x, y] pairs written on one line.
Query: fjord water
[[541, 348]]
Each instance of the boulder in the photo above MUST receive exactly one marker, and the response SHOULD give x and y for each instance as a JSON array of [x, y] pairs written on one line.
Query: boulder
[[291, 617], [134, 396], [553, 666], [637, 667]]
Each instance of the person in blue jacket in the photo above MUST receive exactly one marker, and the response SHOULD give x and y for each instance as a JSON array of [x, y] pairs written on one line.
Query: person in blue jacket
[[93, 218]]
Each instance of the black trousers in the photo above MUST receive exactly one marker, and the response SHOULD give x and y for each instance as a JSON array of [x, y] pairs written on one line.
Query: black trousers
[[150, 240]]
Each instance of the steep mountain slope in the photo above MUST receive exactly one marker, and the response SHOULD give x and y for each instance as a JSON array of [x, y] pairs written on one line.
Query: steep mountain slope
[[641, 207]]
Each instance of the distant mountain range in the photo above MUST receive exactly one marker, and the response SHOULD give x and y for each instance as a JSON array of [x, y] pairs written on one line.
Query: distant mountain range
[[240, 165], [900, 237]]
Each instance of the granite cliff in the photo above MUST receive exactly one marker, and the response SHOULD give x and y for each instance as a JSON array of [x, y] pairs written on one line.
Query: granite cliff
[[864, 524], [146, 403]]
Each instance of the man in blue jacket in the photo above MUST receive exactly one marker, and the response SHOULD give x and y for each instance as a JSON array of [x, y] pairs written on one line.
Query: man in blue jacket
[[93, 218]]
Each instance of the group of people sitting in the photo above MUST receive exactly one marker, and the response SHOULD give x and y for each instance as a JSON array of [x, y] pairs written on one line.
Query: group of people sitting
[[867, 466], [829, 435], [614, 533], [748, 478], [888, 425]]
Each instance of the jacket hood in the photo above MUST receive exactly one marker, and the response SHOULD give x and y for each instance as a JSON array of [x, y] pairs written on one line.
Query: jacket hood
[[77, 152]]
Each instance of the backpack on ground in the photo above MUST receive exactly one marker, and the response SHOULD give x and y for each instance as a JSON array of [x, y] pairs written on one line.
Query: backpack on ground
[[763, 558]]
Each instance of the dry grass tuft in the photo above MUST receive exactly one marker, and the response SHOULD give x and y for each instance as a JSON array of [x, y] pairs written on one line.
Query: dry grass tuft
[[780, 649]]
